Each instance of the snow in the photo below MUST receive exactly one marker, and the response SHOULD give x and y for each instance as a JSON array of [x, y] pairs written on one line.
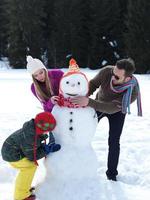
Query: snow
[[18, 105], [4, 63]]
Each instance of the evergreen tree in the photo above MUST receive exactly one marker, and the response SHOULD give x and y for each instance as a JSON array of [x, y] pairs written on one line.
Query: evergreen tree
[[16, 46], [106, 18], [33, 24], [49, 42], [25, 30], [138, 34], [3, 29], [80, 23], [121, 28], [58, 32], [68, 32]]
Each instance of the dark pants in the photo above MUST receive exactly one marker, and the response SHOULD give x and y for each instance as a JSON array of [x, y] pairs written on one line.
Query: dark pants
[[116, 122]]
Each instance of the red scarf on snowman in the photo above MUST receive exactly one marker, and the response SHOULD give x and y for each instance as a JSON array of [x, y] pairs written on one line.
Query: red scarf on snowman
[[66, 102]]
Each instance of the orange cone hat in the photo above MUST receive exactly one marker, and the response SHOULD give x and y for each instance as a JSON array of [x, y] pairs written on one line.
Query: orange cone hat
[[73, 67]]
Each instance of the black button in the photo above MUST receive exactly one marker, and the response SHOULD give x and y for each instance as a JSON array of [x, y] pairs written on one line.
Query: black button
[[71, 113], [71, 120], [71, 128]]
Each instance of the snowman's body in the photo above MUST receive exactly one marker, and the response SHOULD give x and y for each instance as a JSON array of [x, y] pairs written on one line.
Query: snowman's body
[[72, 171]]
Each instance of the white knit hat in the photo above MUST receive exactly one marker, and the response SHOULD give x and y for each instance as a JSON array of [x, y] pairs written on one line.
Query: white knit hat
[[34, 64]]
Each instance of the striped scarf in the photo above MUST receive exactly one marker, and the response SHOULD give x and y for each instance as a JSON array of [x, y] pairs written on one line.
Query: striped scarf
[[127, 88]]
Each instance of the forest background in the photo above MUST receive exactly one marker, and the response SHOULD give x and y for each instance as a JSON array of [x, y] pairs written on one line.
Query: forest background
[[95, 32]]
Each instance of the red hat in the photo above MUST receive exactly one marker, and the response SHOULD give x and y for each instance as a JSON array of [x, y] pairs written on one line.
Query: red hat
[[44, 122]]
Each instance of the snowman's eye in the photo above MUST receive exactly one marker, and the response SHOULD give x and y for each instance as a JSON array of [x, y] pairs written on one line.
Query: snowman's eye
[[78, 83], [67, 82]]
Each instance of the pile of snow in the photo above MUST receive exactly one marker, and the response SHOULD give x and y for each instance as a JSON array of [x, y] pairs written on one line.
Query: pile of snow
[[17, 105], [4, 64]]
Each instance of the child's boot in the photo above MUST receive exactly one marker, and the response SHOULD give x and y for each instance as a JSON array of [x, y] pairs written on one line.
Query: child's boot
[[32, 190], [31, 197]]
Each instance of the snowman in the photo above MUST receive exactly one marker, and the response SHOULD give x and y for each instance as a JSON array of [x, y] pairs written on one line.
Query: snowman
[[71, 173]]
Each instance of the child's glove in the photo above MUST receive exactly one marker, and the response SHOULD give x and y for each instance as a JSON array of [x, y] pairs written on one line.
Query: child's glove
[[46, 148], [51, 148], [54, 147]]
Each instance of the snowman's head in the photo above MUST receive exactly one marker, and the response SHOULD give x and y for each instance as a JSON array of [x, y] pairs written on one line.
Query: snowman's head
[[74, 83]]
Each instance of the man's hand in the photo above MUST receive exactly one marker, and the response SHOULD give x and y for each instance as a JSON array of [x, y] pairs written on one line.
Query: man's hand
[[80, 100]]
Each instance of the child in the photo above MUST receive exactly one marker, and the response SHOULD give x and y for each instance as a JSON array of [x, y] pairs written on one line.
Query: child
[[24, 147]]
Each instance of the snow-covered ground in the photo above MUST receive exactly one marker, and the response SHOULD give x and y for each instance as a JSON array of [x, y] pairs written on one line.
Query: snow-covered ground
[[18, 105]]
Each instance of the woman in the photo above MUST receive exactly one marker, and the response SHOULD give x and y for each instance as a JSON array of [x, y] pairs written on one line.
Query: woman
[[45, 86]]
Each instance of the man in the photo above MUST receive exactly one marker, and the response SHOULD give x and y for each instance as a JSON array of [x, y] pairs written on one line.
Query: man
[[117, 89]]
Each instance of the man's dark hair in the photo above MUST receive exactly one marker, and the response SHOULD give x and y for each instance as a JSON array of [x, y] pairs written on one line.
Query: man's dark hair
[[128, 65]]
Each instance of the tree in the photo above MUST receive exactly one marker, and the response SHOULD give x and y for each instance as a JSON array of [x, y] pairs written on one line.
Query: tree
[[48, 33], [80, 23], [106, 34], [138, 34], [3, 29], [58, 46], [25, 30], [56, 32], [16, 46], [68, 31], [121, 28]]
